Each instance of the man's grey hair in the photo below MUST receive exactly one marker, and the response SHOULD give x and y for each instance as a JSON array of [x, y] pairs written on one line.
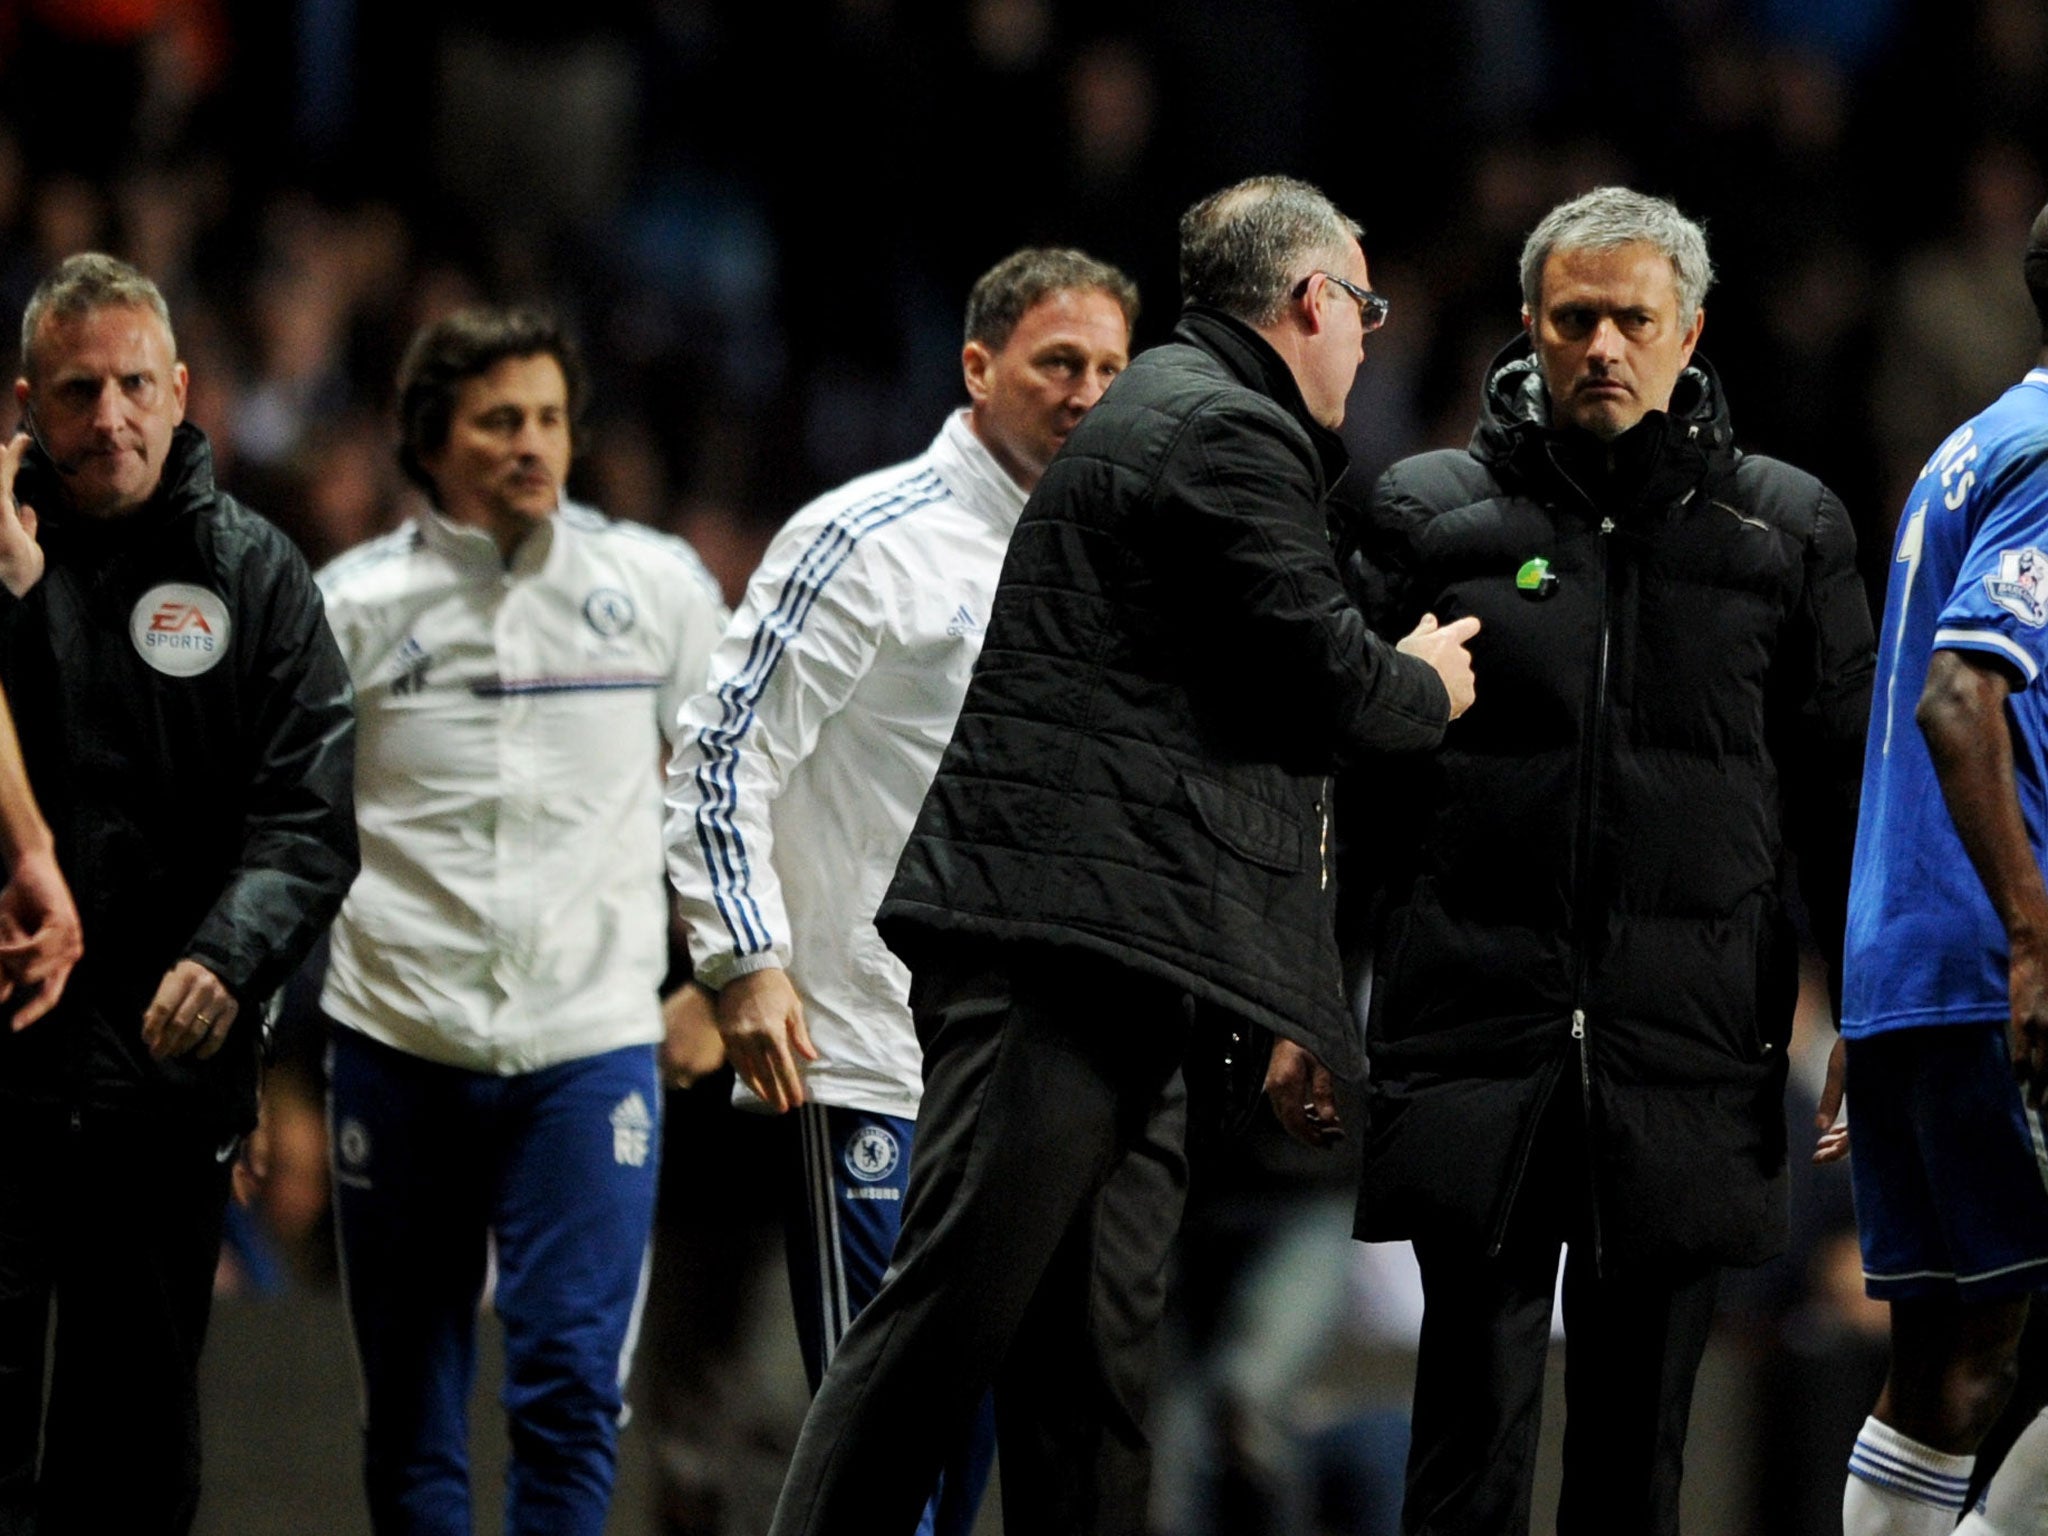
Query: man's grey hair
[[82, 284], [1608, 217], [1245, 249]]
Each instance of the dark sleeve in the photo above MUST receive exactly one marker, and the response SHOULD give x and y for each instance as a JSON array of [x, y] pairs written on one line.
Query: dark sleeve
[[1374, 532], [1819, 713], [1247, 550], [298, 853], [1374, 528]]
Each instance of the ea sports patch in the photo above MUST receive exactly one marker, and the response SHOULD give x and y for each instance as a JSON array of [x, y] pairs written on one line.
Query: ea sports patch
[[179, 629], [2017, 585], [872, 1154], [608, 611]]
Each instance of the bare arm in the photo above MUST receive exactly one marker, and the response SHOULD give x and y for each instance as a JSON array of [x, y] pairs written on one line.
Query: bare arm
[[21, 557], [22, 828], [1962, 715], [40, 937], [691, 1046]]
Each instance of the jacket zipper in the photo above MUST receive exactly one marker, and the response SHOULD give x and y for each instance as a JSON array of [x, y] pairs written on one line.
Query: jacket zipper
[[1589, 818], [1323, 843], [1586, 1124], [1589, 788]]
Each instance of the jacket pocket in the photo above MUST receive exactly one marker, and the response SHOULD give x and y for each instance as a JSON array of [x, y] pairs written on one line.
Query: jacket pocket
[[1257, 833]]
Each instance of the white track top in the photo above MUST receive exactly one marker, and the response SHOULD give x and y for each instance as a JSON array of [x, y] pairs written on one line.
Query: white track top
[[797, 776], [510, 729]]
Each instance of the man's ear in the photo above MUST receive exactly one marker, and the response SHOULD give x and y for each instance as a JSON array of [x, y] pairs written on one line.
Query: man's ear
[[1692, 337], [974, 361], [1310, 311]]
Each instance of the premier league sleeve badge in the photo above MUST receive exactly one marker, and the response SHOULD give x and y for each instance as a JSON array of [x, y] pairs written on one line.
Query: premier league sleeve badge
[[2016, 585]]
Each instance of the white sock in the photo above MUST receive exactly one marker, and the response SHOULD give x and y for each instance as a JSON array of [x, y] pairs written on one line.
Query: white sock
[[1899, 1487], [2016, 1503]]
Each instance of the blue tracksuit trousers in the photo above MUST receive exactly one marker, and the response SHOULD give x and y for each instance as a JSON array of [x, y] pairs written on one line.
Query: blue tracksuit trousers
[[437, 1170]]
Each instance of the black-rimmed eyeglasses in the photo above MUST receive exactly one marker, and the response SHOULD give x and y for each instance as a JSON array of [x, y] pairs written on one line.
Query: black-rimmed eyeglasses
[[1372, 307]]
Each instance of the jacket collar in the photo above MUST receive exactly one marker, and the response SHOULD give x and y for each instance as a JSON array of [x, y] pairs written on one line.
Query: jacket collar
[[1675, 448], [964, 462], [471, 549], [1251, 360], [185, 489]]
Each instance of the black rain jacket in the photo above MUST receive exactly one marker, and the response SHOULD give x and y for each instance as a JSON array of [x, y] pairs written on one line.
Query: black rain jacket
[[1673, 682], [1171, 669], [208, 816]]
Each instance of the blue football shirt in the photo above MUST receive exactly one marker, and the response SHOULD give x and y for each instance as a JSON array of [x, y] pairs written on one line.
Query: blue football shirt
[[1970, 573]]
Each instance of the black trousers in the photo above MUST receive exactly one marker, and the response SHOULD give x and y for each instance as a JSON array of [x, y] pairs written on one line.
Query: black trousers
[[1633, 1343], [1045, 1189], [117, 1220]]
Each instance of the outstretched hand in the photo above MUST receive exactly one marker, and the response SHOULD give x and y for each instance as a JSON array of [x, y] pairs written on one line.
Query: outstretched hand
[[40, 936], [1443, 647]]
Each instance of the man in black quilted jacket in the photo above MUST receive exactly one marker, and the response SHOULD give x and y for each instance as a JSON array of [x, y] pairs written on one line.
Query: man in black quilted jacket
[[1124, 859], [1587, 964]]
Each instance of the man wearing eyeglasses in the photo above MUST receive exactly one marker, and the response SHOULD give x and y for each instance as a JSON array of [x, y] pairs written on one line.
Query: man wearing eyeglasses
[[1586, 965], [1121, 864]]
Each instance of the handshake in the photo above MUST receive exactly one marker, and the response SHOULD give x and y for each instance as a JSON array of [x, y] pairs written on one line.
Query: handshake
[[1443, 647]]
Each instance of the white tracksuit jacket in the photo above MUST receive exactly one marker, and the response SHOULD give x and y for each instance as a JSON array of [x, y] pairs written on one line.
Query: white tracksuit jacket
[[509, 726], [797, 775]]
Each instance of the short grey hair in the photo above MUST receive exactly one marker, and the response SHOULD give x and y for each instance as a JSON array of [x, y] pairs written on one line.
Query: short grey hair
[[1244, 250], [84, 283], [1608, 217]]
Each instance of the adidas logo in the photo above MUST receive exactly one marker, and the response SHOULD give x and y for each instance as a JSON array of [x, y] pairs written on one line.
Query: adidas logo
[[964, 623], [632, 1132], [413, 661]]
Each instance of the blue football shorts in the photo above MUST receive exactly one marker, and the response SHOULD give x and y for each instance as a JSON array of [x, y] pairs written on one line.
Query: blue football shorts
[[1949, 1166]]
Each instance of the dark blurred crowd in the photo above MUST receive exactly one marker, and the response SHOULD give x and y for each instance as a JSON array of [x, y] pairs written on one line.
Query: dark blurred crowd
[[763, 221]]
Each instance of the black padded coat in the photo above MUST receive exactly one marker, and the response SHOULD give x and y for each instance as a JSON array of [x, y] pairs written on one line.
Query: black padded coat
[[1673, 680], [1171, 671]]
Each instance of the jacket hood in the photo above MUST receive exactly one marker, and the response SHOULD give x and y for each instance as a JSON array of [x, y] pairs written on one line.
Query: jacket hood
[[185, 486], [1514, 411], [1253, 362]]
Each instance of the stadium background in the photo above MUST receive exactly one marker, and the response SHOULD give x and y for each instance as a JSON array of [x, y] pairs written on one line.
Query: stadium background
[[763, 219]]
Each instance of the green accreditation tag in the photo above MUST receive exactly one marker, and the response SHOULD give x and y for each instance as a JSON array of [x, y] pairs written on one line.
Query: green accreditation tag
[[1536, 580]]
